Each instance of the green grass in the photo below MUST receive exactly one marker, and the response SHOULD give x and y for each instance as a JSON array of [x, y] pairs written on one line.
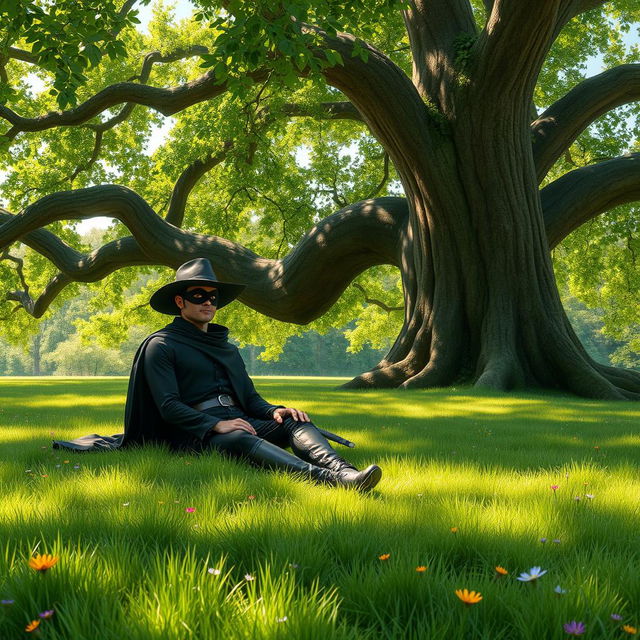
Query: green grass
[[134, 564]]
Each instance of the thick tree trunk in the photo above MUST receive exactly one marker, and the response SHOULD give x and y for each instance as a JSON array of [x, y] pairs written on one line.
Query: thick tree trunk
[[481, 302]]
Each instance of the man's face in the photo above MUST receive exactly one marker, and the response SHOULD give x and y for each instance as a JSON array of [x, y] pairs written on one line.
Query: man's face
[[198, 313]]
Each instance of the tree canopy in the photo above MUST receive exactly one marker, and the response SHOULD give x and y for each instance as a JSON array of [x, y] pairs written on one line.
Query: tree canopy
[[271, 120]]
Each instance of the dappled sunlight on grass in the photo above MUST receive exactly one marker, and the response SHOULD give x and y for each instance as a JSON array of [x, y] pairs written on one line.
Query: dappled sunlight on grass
[[467, 485]]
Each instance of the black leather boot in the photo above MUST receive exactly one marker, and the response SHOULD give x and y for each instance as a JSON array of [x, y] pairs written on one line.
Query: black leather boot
[[310, 445], [273, 457]]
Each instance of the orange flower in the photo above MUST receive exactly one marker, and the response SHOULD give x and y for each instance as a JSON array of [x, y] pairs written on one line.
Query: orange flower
[[469, 597], [384, 556], [32, 626], [501, 571], [43, 562], [454, 529], [421, 569], [629, 629]]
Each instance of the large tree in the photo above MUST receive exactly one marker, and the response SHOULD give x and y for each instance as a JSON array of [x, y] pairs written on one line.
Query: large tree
[[446, 90]]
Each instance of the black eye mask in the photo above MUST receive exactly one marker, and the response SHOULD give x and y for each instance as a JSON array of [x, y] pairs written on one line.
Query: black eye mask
[[200, 296]]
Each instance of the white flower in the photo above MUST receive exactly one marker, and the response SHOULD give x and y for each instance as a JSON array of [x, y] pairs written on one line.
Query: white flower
[[534, 574], [283, 619], [560, 591], [214, 572], [248, 577]]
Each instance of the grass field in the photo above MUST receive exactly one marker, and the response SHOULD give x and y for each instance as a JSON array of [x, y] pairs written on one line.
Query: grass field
[[157, 546]]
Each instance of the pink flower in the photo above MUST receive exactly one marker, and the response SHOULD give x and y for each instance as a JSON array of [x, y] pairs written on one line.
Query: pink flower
[[554, 487], [190, 509], [574, 628]]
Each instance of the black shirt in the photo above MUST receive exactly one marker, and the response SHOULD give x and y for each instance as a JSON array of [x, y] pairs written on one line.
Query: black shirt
[[180, 375]]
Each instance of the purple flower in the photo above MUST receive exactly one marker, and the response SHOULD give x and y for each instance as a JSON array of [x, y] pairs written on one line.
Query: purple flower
[[574, 628], [543, 540], [556, 541], [7, 603], [616, 616], [46, 614]]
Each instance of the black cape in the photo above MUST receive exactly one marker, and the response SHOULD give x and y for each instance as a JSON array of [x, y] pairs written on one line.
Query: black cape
[[142, 420]]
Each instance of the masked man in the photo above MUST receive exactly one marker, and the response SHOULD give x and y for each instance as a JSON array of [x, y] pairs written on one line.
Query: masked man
[[189, 388]]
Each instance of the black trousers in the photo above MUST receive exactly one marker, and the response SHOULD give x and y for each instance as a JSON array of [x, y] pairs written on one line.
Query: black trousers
[[239, 443]]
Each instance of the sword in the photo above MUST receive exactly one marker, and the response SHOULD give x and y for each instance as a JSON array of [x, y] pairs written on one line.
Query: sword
[[336, 438]]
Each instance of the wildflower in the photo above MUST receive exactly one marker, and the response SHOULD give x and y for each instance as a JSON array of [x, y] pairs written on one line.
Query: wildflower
[[627, 628], [501, 571], [454, 529], [126, 504], [214, 572], [293, 565], [32, 626], [384, 556], [46, 614], [469, 597], [543, 540], [577, 498], [574, 628], [43, 562], [7, 603], [533, 575], [589, 495], [554, 487], [597, 448], [283, 619], [421, 569], [556, 541], [190, 509], [559, 590], [616, 617], [251, 497], [248, 577]]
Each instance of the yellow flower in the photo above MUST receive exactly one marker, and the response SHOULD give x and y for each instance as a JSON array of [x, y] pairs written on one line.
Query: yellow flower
[[384, 556], [454, 529], [469, 597], [501, 571], [629, 629], [32, 626], [421, 569], [42, 562]]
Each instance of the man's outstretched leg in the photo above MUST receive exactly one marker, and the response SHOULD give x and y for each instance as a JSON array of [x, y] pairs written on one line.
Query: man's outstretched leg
[[265, 454]]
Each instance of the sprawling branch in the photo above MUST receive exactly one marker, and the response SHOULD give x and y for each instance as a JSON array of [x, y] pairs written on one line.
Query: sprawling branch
[[166, 101], [435, 28], [386, 98], [378, 303], [580, 195], [569, 9], [513, 46], [556, 129], [335, 251], [188, 180], [20, 54]]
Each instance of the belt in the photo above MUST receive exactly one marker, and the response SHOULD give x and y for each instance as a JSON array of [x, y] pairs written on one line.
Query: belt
[[223, 400]]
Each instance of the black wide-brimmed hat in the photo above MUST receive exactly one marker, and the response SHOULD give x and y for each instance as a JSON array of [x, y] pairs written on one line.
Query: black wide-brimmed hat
[[189, 274]]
